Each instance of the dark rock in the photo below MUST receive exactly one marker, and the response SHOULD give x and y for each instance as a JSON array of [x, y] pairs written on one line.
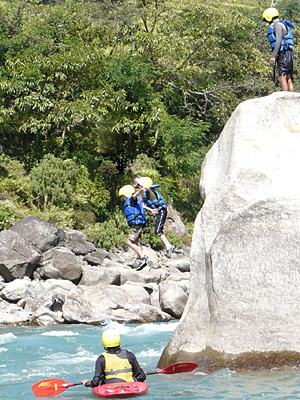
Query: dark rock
[[18, 257], [78, 243], [43, 235]]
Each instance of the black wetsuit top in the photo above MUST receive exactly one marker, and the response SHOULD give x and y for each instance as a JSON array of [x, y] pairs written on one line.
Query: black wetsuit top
[[99, 377]]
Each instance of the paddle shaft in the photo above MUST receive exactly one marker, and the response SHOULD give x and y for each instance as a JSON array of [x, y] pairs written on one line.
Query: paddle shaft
[[73, 384], [152, 373]]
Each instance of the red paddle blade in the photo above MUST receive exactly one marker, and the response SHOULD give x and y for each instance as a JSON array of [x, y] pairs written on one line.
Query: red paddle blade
[[50, 387], [177, 368]]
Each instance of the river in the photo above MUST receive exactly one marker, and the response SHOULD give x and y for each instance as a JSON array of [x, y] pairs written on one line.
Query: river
[[69, 352]]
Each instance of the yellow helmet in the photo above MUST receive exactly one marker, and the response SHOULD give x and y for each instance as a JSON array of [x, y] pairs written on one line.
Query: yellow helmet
[[126, 191], [270, 13], [110, 338], [145, 181]]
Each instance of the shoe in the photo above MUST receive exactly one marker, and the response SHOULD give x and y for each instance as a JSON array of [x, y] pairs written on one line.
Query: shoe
[[142, 263], [170, 251]]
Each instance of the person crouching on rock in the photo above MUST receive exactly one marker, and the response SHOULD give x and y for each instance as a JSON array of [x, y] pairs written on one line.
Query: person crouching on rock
[[116, 364], [136, 218]]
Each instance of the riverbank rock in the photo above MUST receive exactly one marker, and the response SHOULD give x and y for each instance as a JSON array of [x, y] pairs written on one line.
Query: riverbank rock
[[18, 257], [51, 276], [243, 308]]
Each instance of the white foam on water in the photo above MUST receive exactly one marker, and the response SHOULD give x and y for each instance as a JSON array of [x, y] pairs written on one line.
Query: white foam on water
[[143, 328], [7, 338], [149, 353], [154, 327], [2, 349], [68, 359], [121, 328], [60, 333]]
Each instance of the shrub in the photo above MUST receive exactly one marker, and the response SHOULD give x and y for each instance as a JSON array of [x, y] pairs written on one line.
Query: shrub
[[110, 234], [7, 218]]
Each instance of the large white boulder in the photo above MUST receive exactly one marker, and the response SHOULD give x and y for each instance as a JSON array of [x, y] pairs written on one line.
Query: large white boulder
[[243, 310]]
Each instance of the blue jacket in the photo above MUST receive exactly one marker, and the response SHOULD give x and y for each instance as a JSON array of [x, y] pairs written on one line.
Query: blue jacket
[[158, 203], [287, 42], [135, 214]]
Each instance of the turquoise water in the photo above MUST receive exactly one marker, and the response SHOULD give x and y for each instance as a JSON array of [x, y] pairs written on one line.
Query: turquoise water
[[69, 352]]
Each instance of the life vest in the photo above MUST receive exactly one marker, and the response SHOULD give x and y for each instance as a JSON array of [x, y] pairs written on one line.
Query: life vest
[[158, 203], [117, 366], [287, 42], [135, 215]]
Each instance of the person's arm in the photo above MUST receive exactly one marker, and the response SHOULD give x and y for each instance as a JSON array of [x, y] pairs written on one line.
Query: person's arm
[[136, 194], [137, 372], [148, 208], [150, 196], [99, 376]]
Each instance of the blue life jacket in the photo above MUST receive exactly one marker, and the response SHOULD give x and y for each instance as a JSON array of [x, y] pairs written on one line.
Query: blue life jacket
[[158, 203], [287, 42], [135, 215]]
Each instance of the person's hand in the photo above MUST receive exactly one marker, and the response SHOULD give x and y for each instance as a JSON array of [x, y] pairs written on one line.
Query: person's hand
[[154, 211], [272, 60], [84, 381]]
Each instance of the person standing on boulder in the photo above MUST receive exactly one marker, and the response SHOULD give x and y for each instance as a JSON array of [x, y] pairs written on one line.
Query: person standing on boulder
[[153, 202], [136, 218], [115, 364], [282, 44]]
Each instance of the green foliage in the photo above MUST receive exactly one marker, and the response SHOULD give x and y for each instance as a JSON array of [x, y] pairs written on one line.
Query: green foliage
[[93, 94], [182, 145], [53, 181], [143, 165], [156, 243], [63, 218], [289, 9], [110, 234], [14, 183], [7, 218]]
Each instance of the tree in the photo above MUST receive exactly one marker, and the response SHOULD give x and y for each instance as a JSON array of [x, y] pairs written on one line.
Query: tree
[[53, 181]]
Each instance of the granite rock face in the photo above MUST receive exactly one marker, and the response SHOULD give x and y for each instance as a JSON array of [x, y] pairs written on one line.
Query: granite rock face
[[243, 310]]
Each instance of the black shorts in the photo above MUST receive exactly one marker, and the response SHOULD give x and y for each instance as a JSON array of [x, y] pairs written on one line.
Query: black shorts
[[160, 221], [285, 63]]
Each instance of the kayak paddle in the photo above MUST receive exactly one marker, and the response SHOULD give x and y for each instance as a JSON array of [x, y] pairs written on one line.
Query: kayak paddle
[[176, 368], [51, 387]]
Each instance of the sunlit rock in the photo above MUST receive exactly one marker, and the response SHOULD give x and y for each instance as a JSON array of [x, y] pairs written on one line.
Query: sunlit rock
[[243, 308]]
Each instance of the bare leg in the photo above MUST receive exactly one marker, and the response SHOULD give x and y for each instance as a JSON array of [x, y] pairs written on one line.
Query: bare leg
[[135, 246], [290, 83], [283, 83], [165, 241], [286, 83]]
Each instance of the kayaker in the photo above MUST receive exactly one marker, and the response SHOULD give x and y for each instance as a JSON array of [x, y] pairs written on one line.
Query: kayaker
[[116, 364]]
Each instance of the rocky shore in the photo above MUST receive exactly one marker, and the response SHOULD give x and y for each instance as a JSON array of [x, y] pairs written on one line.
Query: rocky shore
[[53, 276]]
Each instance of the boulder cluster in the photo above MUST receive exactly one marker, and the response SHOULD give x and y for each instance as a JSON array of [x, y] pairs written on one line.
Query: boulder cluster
[[50, 275]]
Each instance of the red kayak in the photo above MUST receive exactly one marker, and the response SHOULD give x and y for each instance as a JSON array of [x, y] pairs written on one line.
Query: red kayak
[[121, 389]]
